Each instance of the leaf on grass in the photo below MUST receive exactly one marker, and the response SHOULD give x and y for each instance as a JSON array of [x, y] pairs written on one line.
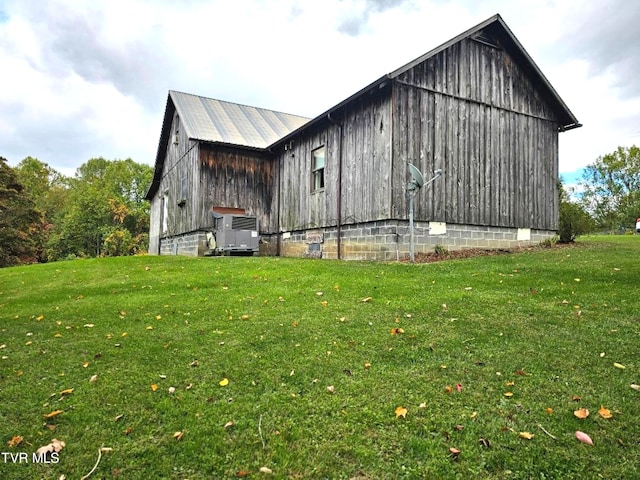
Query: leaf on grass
[[581, 413], [39, 318], [68, 391], [178, 435], [522, 373], [549, 410], [604, 412], [508, 394], [459, 387], [584, 438], [619, 365], [118, 417], [635, 386], [224, 382], [454, 451], [194, 363], [324, 303], [54, 447], [367, 365], [576, 398], [448, 389], [243, 473], [526, 435], [93, 379], [266, 470], [55, 413], [229, 424], [397, 331], [367, 299], [15, 441], [154, 387], [401, 412], [331, 389]]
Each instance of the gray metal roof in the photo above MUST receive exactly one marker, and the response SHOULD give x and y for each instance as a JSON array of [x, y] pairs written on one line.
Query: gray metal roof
[[217, 121]]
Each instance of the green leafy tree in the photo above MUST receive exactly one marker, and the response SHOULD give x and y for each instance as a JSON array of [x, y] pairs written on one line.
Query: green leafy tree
[[106, 213], [48, 189], [19, 220], [612, 188]]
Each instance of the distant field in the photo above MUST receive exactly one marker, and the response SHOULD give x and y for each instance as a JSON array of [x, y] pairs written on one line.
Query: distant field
[[206, 368]]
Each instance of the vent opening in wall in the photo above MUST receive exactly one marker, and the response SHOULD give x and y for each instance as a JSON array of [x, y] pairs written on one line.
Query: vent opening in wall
[[486, 38]]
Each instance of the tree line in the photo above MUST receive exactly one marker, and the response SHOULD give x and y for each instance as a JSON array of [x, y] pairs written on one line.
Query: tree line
[[46, 216]]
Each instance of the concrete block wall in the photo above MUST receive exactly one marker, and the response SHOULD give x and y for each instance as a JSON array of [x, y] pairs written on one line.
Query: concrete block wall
[[389, 240], [191, 244]]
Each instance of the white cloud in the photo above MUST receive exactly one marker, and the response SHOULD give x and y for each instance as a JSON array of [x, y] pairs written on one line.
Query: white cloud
[[90, 79]]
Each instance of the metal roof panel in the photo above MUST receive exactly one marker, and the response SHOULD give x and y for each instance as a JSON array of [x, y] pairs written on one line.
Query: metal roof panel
[[230, 123]]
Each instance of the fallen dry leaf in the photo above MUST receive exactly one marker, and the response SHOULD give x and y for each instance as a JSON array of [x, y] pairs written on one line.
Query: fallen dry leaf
[[459, 387], [243, 473], [508, 394], [549, 410], [230, 423], [397, 331], [604, 413], [367, 299], [68, 391], [93, 379], [15, 441], [154, 387], [401, 412], [331, 389], [584, 438], [55, 413], [224, 382], [619, 365], [266, 470], [54, 447], [581, 413], [448, 389], [454, 451], [635, 386], [526, 435], [178, 435]]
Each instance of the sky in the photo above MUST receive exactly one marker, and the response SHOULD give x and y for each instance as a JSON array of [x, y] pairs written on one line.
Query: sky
[[83, 79]]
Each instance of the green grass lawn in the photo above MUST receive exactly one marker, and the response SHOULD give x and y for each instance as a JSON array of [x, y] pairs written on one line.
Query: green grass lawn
[[217, 367]]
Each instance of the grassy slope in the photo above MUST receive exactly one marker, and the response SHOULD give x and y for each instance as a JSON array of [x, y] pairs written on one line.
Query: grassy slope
[[538, 319]]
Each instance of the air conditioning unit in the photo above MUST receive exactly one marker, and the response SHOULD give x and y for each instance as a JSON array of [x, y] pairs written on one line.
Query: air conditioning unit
[[233, 235]]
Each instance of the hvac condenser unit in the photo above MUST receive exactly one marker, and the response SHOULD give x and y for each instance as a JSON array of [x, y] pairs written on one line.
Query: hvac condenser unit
[[233, 235]]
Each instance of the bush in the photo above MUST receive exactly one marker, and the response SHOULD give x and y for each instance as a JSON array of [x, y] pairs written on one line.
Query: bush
[[574, 221]]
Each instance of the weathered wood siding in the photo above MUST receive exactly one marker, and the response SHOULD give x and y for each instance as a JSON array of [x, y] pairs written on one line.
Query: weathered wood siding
[[236, 178], [180, 162], [366, 169], [472, 111]]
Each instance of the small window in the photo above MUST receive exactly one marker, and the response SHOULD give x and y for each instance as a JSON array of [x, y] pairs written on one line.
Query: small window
[[317, 169], [183, 192]]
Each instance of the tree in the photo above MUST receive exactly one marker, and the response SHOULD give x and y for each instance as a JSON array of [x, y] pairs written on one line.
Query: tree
[[612, 188], [19, 219], [48, 189], [106, 213]]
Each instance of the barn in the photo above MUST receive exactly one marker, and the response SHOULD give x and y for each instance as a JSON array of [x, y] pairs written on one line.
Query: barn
[[335, 186]]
